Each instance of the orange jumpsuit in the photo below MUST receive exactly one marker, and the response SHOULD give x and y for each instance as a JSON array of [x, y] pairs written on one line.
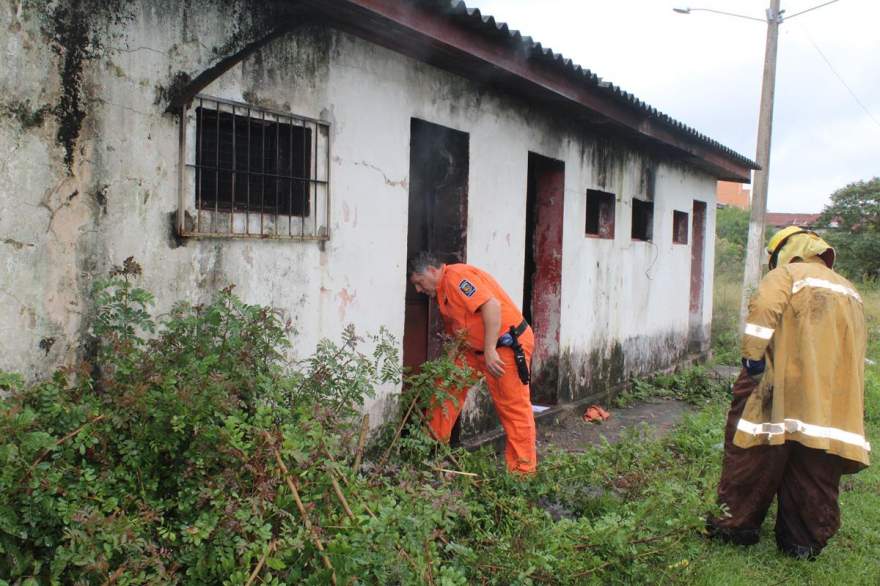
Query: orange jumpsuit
[[462, 290]]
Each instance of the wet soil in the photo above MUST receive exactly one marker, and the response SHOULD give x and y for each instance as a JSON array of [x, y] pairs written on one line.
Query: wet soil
[[567, 430]]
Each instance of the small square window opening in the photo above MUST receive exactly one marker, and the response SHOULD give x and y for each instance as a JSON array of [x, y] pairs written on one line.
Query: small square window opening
[[642, 219], [679, 227], [600, 214]]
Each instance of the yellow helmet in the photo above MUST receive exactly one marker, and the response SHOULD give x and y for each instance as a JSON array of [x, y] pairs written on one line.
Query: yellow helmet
[[811, 245], [780, 237]]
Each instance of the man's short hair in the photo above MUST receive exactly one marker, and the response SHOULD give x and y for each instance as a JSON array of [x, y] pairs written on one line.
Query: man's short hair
[[420, 263]]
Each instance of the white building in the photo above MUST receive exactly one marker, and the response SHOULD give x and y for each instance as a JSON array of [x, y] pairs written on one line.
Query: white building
[[301, 150]]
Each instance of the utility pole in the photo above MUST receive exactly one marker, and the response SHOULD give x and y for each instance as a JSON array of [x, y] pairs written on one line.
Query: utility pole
[[755, 246]]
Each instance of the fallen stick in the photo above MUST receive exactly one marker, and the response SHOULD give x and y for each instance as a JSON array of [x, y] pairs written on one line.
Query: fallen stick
[[339, 495], [260, 563], [345, 480], [362, 440], [302, 509], [469, 474], [398, 432]]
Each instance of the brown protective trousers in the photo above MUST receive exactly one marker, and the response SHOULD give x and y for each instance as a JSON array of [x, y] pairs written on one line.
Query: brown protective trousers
[[804, 480], [512, 402]]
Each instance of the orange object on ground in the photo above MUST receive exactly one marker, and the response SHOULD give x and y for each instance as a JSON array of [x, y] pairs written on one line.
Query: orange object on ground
[[596, 414], [462, 290]]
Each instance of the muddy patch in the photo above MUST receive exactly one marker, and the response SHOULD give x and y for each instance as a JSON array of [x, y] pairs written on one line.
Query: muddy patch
[[567, 430]]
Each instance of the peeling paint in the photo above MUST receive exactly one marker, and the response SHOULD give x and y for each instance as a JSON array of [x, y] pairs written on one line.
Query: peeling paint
[[345, 300]]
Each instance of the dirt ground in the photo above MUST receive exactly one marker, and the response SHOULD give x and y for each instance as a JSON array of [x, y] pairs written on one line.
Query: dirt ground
[[569, 432]]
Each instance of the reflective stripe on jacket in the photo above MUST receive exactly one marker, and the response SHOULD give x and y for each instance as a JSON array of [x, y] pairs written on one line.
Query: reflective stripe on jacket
[[808, 323]]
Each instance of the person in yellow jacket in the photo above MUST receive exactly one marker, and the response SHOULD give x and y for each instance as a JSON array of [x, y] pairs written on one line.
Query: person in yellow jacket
[[796, 421]]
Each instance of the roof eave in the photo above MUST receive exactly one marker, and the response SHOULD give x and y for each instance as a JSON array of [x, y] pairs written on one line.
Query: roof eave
[[508, 60]]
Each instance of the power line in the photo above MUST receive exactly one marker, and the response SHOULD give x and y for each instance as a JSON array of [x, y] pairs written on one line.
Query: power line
[[839, 77]]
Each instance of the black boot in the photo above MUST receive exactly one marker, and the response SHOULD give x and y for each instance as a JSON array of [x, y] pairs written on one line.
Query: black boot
[[730, 534]]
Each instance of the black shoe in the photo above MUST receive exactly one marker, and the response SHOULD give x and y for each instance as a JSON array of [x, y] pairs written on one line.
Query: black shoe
[[798, 552], [732, 535]]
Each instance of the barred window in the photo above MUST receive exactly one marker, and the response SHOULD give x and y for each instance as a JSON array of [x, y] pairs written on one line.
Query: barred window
[[252, 172]]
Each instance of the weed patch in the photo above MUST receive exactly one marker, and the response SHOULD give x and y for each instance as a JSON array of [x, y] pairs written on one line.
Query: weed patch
[[696, 386], [193, 452]]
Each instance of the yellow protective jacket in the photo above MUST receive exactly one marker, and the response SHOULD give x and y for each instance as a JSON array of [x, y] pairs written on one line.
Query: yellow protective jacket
[[808, 323]]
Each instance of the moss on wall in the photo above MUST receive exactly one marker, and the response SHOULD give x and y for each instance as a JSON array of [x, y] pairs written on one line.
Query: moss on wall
[[78, 31]]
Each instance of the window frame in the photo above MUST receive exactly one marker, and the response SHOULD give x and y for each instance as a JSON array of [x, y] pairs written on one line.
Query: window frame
[[649, 226], [683, 218], [603, 198], [194, 221]]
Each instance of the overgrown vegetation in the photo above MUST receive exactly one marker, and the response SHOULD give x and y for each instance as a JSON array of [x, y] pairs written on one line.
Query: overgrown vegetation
[[853, 220], [696, 386], [192, 452], [731, 236]]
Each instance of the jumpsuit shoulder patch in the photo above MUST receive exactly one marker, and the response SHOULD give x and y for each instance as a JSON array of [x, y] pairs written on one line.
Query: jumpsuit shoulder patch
[[467, 288]]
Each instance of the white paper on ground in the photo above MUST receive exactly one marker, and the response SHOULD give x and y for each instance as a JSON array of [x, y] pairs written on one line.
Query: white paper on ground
[[539, 408]]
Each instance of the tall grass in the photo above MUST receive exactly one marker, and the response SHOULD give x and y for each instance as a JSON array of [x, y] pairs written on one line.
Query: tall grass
[[725, 319]]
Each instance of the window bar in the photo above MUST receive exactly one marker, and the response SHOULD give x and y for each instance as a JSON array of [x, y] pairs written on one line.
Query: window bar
[[277, 157], [303, 199], [247, 210], [216, 174], [290, 183], [327, 185], [262, 172], [200, 161], [232, 203], [310, 184]]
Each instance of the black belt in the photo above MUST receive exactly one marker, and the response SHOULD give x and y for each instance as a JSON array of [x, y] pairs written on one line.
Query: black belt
[[515, 331], [520, 329], [510, 339]]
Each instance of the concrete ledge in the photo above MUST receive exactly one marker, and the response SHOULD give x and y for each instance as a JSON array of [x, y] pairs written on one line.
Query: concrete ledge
[[496, 436]]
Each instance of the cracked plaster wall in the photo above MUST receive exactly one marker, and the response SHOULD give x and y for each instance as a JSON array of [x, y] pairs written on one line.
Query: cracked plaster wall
[[57, 231]]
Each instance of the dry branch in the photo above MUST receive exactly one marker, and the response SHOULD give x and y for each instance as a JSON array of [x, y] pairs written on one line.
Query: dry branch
[[362, 440], [260, 563], [316, 539]]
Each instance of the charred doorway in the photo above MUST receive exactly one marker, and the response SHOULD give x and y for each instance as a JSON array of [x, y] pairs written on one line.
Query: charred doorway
[[697, 335], [542, 299], [438, 189]]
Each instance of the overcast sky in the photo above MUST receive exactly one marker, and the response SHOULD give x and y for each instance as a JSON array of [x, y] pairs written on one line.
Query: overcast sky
[[704, 69]]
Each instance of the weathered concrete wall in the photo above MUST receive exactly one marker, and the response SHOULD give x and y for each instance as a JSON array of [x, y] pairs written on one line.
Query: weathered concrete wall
[[624, 303]]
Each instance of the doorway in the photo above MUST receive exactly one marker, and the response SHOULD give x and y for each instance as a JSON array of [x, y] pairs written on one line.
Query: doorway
[[438, 189], [542, 291], [697, 337]]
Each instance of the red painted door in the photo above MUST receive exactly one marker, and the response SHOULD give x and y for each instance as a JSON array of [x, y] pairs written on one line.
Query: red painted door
[[697, 335], [542, 292]]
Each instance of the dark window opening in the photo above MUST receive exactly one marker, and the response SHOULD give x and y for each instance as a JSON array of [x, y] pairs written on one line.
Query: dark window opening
[[642, 220], [600, 214], [252, 163], [679, 227]]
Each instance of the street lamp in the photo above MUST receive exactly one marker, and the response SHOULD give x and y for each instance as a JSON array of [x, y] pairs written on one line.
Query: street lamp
[[754, 248]]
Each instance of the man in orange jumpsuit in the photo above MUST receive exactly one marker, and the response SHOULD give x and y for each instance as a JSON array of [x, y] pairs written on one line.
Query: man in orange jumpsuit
[[499, 344]]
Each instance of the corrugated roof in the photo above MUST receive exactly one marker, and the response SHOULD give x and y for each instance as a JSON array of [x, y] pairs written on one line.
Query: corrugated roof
[[487, 24]]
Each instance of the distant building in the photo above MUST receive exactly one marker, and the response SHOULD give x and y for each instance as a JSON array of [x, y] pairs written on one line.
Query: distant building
[[730, 193], [778, 220]]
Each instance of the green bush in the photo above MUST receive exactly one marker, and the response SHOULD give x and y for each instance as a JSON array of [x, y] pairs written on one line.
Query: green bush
[[190, 451], [161, 469]]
